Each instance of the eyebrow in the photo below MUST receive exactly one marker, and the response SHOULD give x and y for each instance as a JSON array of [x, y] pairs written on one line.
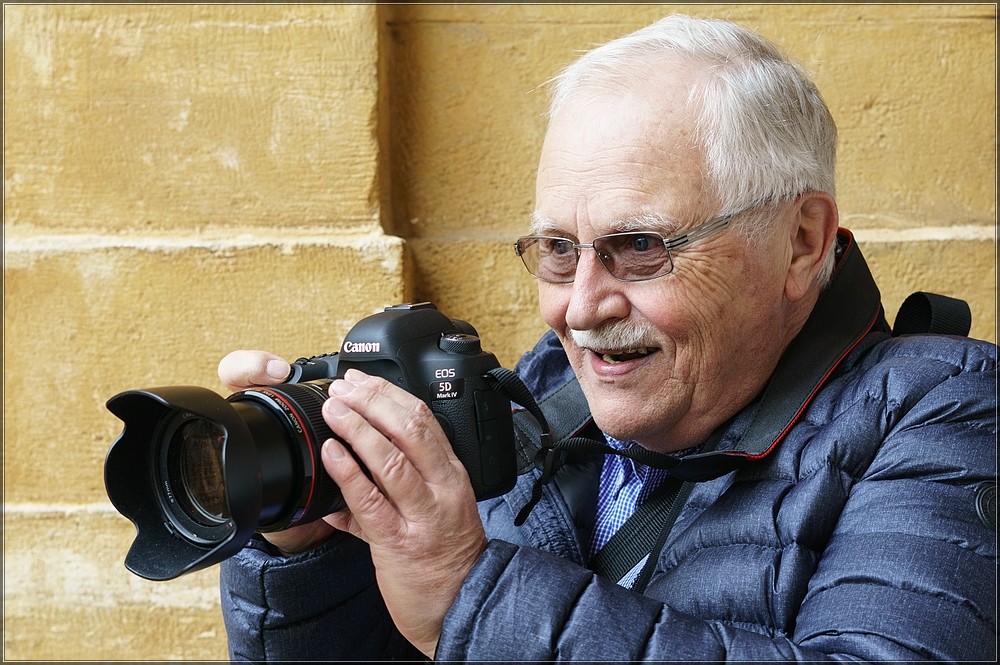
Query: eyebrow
[[543, 226], [647, 222]]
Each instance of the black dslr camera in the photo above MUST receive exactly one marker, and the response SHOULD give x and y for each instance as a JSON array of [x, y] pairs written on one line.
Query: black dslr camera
[[198, 474]]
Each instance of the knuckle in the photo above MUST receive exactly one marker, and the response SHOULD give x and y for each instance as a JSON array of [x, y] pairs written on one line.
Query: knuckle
[[368, 398], [377, 383], [415, 425], [369, 501], [394, 466]]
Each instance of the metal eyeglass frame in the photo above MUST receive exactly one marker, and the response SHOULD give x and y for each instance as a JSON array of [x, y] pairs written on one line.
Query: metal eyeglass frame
[[703, 230]]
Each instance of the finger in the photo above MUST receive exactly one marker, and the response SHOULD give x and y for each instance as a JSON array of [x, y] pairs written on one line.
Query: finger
[[370, 510], [403, 419], [244, 369], [393, 474]]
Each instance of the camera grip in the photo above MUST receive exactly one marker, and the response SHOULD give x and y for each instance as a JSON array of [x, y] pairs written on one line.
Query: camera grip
[[482, 436]]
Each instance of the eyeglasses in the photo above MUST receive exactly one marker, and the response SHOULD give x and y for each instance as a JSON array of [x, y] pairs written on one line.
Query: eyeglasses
[[629, 257]]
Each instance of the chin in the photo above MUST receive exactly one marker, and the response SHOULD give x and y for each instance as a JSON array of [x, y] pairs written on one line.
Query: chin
[[653, 424], [624, 422]]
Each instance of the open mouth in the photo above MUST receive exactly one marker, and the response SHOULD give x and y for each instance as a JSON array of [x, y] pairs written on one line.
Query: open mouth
[[626, 355]]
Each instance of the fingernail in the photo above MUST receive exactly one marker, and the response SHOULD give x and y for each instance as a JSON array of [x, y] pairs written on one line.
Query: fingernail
[[335, 408], [341, 387], [333, 449], [278, 369], [355, 376]]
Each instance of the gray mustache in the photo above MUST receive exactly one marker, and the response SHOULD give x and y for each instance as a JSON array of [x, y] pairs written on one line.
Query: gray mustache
[[617, 335]]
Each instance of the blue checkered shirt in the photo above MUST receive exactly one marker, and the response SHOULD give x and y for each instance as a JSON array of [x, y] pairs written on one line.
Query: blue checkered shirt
[[624, 485]]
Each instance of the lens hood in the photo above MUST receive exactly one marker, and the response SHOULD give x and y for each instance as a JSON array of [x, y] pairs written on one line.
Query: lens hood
[[162, 549]]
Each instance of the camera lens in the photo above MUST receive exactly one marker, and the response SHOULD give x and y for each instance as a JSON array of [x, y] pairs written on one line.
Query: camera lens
[[196, 456], [197, 473], [289, 431]]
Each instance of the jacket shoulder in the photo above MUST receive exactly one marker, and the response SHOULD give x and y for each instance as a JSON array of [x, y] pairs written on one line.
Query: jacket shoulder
[[545, 368], [902, 371], [961, 353]]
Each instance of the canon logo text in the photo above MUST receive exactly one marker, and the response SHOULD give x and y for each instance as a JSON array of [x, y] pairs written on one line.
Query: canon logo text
[[362, 347]]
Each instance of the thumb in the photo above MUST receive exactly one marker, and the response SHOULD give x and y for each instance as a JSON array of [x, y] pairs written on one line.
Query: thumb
[[244, 369]]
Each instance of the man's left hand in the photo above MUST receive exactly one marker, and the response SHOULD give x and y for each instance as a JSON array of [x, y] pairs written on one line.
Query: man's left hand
[[417, 512]]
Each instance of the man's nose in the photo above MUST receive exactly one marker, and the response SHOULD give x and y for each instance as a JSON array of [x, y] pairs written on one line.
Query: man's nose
[[596, 295]]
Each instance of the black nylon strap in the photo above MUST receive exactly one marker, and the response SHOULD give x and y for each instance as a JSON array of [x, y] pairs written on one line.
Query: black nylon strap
[[645, 532], [562, 409], [566, 413], [848, 310], [925, 312], [637, 454], [539, 435], [668, 524], [636, 537]]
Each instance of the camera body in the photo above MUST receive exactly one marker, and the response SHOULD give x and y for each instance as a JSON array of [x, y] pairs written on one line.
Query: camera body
[[198, 474], [442, 362]]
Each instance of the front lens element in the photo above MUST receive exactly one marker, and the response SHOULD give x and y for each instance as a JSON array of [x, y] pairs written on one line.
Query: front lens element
[[196, 463]]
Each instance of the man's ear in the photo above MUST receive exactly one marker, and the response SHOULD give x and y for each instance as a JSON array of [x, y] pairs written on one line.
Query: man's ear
[[813, 230]]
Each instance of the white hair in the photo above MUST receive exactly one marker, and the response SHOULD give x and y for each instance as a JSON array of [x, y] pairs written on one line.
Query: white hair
[[762, 125]]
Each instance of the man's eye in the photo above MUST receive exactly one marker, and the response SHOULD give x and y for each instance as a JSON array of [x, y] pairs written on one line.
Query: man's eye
[[641, 243], [560, 246]]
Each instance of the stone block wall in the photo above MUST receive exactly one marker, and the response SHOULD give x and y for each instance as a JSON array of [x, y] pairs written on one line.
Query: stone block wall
[[184, 180]]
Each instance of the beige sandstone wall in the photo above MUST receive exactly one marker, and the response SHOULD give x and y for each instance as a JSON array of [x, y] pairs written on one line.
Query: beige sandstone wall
[[183, 180]]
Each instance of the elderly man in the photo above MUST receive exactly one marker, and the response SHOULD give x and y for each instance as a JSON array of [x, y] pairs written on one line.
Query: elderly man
[[825, 476]]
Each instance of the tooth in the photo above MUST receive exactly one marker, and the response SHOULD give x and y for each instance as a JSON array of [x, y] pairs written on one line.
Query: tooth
[[608, 358], [642, 351]]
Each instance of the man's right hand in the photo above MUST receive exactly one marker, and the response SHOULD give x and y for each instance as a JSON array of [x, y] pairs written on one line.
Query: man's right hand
[[246, 369]]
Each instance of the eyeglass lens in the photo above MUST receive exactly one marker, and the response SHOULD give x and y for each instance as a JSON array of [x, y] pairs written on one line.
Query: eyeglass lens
[[630, 257]]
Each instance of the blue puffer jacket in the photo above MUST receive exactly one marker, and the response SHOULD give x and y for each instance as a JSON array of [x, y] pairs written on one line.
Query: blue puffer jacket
[[857, 538]]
